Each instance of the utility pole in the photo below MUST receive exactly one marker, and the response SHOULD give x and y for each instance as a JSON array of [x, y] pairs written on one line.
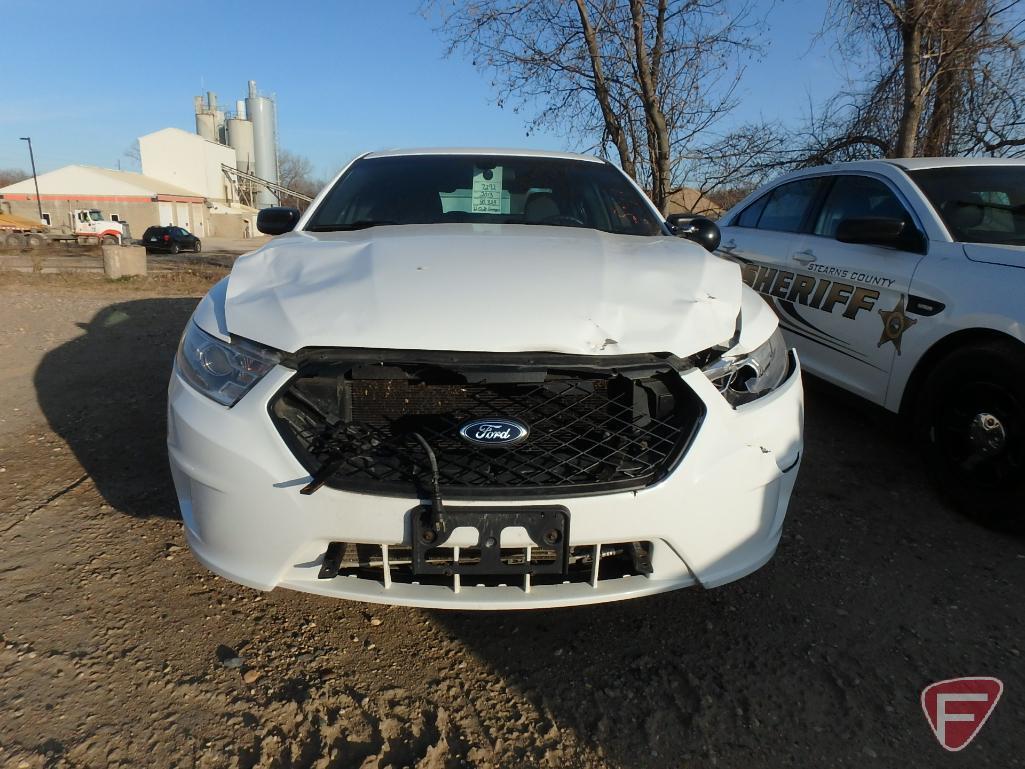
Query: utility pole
[[35, 181]]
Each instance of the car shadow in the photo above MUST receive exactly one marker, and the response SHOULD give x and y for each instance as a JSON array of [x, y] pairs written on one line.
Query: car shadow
[[104, 393], [816, 659]]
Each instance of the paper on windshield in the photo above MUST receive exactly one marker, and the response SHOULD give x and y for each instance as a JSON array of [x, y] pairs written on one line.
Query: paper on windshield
[[486, 194]]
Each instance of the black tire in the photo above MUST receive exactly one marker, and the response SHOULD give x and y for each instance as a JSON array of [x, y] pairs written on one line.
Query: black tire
[[198, 247], [15, 241], [36, 241], [108, 240], [971, 416], [173, 248]]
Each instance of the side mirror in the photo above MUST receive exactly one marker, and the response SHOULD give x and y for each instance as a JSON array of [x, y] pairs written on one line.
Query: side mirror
[[700, 229], [277, 220], [879, 231]]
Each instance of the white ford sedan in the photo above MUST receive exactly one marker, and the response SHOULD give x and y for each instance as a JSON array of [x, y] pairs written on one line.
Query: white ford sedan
[[483, 379], [903, 281]]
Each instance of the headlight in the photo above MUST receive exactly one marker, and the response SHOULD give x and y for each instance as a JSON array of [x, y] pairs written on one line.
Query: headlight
[[221, 371], [744, 378]]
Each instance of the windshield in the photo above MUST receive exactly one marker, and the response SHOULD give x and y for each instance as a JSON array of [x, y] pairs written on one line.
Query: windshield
[[95, 215], [438, 189], [979, 204]]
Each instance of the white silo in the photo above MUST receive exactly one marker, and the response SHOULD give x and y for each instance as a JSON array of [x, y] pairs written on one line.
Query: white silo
[[260, 111], [240, 139], [210, 119], [206, 121]]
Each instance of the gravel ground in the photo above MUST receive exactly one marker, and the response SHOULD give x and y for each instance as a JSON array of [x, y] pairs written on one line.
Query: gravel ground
[[117, 649]]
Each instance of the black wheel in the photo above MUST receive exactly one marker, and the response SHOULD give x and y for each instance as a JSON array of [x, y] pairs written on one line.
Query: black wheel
[[972, 418], [198, 247], [36, 241], [174, 248], [108, 240], [15, 241]]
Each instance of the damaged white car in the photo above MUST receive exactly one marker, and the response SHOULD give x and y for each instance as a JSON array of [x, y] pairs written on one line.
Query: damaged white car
[[483, 379]]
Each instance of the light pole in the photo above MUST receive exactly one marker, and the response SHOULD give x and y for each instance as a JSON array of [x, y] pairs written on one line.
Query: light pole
[[35, 181]]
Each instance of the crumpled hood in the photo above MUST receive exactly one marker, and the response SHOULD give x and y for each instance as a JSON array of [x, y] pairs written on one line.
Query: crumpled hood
[[486, 288], [995, 253]]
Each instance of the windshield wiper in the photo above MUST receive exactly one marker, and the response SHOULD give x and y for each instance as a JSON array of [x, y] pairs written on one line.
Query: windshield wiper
[[362, 224]]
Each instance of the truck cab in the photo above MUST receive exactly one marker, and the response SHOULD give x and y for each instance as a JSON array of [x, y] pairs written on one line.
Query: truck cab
[[90, 223]]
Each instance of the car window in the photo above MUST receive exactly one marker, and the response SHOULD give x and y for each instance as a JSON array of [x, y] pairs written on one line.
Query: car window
[[479, 189], [979, 204], [857, 197], [788, 205], [749, 216]]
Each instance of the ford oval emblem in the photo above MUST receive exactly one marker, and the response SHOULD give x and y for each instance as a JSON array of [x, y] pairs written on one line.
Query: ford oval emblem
[[494, 432]]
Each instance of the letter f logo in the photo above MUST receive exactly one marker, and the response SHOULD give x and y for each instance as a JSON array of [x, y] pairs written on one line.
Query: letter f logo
[[957, 708]]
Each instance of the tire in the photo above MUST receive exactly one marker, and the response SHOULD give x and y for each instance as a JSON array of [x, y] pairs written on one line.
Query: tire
[[36, 241], [108, 240], [971, 417], [15, 241], [198, 247], [173, 248]]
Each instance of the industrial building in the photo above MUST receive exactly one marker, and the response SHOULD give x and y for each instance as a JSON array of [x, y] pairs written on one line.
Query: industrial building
[[123, 196], [211, 182]]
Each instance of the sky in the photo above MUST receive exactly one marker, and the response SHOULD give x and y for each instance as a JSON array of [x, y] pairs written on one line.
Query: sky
[[349, 76]]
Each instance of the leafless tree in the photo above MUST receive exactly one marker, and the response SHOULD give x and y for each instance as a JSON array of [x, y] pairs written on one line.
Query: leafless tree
[[134, 154], [295, 172], [643, 81], [942, 77], [11, 176]]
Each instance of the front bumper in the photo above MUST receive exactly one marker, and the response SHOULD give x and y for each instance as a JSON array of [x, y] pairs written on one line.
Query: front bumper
[[716, 518]]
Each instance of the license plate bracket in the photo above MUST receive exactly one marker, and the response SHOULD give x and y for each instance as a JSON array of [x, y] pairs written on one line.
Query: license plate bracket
[[547, 526]]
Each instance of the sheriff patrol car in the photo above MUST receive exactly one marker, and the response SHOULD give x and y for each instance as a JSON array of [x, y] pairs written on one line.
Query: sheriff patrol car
[[903, 281]]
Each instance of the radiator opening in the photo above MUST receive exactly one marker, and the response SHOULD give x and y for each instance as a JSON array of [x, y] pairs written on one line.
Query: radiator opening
[[591, 430]]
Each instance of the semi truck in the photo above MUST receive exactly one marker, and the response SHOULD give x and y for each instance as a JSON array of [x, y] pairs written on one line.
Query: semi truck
[[86, 226]]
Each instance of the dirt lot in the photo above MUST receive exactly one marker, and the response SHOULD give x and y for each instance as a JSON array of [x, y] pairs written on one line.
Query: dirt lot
[[63, 258], [117, 649]]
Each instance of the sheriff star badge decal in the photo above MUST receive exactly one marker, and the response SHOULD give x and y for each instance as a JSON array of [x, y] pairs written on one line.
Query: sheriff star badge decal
[[895, 323]]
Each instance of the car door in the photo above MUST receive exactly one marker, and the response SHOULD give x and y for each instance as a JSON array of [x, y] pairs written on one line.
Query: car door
[[768, 232], [848, 300], [768, 239]]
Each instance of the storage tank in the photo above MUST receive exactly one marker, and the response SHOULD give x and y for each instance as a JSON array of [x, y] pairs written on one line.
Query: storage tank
[[209, 119], [240, 139], [260, 111], [206, 125]]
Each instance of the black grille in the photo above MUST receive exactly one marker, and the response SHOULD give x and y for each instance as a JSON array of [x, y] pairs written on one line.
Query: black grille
[[592, 430]]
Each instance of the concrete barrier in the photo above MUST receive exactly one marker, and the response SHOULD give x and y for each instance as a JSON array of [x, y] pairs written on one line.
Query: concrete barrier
[[123, 261]]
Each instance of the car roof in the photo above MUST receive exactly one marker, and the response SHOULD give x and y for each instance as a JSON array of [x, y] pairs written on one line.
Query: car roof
[[914, 164], [510, 152], [906, 164]]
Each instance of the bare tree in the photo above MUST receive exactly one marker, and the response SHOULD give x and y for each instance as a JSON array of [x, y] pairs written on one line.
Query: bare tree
[[643, 81], [134, 154], [943, 77], [295, 172], [11, 176]]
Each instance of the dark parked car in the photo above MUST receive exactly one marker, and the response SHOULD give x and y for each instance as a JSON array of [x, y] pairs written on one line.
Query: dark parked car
[[171, 240]]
